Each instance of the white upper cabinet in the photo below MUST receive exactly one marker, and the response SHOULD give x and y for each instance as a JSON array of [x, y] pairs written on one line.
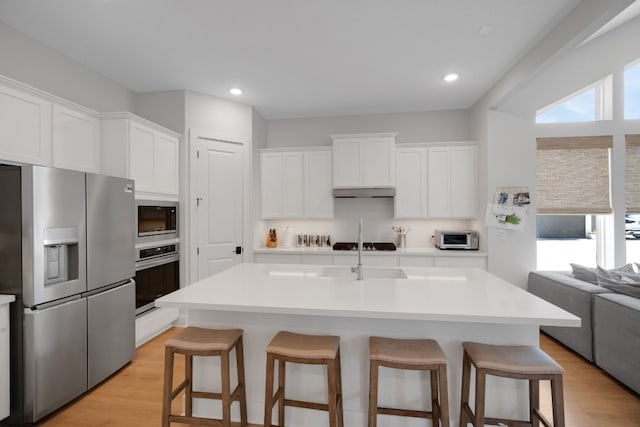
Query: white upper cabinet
[[76, 140], [364, 160], [452, 182], [143, 151], [436, 181], [25, 127], [296, 184], [411, 183]]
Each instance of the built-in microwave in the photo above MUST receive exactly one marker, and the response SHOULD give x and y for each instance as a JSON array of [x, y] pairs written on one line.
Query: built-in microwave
[[444, 239], [156, 220]]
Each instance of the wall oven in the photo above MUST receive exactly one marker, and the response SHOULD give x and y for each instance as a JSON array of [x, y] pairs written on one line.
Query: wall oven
[[156, 220], [157, 273]]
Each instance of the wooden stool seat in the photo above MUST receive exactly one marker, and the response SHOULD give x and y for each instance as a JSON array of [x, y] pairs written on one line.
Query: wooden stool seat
[[303, 349], [525, 362], [413, 354], [193, 341]]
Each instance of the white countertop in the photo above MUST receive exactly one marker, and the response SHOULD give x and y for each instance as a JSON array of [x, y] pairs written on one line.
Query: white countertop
[[6, 299], [430, 293], [417, 251]]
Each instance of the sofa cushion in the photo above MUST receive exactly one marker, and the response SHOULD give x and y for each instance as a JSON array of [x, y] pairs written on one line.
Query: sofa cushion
[[620, 282], [587, 274], [616, 337]]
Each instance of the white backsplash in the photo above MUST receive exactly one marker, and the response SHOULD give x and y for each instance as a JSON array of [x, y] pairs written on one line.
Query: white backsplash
[[378, 220]]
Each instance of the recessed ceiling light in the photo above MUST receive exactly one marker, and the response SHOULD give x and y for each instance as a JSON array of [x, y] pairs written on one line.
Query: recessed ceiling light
[[235, 91], [450, 77]]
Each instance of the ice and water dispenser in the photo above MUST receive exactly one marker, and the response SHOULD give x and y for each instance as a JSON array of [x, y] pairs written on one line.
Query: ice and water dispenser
[[61, 255]]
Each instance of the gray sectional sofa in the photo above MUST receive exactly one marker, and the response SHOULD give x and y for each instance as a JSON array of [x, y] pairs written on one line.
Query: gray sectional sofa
[[610, 332]]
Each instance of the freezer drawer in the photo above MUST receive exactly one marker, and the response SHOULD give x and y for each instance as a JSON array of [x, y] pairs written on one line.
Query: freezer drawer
[[55, 357], [111, 331]]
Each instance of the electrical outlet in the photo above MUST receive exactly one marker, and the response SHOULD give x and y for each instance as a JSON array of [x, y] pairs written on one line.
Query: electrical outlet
[[502, 234]]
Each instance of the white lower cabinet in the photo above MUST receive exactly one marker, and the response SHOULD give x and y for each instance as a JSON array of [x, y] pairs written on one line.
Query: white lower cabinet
[[416, 261], [461, 261], [371, 260], [4, 361], [317, 259], [278, 258]]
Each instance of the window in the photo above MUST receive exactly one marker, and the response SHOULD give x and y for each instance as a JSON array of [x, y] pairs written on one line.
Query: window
[[632, 198], [632, 91], [572, 188], [586, 105]]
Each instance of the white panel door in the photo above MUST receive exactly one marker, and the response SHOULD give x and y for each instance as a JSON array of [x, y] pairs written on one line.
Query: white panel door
[[292, 185], [76, 140], [25, 128], [318, 199], [411, 183], [219, 209], [142, 157], [439, 182], [463, 182]]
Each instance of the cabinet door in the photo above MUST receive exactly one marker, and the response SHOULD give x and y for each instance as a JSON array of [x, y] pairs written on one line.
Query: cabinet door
[[378, 162], [461, 261], [411, 183], [278, 259], [439, 182], [292, 186], [76, 140], [346, 163], [318, 199], [463, 182], [166, 164], [142, 156], [271, 185], [25, 128]]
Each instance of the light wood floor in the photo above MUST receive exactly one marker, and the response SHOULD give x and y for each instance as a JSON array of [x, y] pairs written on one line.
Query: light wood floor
[[133, 397]]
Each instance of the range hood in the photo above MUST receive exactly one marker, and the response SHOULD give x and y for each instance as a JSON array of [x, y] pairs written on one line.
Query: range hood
[[362, 192]]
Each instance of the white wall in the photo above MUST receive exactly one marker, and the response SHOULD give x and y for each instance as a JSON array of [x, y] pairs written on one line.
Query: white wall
[[166, 108], [36, 64], [411, 127], [511, 162]]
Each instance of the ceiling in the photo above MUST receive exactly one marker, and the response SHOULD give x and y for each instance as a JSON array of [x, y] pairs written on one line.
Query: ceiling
[[295, 58]]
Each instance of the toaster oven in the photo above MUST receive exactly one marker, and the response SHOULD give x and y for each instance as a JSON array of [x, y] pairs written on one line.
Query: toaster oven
[[466, 240]]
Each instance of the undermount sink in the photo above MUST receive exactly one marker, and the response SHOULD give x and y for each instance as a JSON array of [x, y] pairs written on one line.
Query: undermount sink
[[369, 272]]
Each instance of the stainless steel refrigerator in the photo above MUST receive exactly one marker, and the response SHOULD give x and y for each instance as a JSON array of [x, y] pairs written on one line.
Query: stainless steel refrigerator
[[67, 253]]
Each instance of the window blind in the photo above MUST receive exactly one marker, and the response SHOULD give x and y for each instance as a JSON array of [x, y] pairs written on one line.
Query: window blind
[[572, 175], [632, 173]]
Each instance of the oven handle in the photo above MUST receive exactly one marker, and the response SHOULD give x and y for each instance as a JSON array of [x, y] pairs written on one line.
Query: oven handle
[[154, 262]]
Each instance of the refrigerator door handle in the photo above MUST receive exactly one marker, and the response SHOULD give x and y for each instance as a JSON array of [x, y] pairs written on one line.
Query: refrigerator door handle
[[107, 288], [51, 304]]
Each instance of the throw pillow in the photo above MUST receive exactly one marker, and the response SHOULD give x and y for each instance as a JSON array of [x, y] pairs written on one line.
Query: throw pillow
[[586, 274], [619, 282]]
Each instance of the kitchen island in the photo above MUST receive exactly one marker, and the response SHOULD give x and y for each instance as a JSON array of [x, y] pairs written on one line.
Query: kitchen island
[[451, 305]]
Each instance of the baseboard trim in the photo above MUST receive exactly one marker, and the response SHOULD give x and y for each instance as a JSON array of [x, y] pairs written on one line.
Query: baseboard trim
[[153, 323]]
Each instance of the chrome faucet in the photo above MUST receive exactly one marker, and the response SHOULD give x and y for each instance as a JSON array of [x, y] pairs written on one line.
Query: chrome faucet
[[359, 268]]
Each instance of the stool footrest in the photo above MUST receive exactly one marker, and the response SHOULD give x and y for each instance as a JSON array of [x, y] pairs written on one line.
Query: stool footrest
[[506, 422], [195, 420], [215, 395], [308, 405], [405, 412]]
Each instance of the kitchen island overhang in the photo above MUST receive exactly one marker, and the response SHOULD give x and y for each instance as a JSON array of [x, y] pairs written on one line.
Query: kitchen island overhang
[[451, 305]]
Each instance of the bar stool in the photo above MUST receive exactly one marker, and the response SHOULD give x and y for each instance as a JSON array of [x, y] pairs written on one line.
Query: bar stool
[[524, 362], [194, 341], [414, 354], [303, 349]]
